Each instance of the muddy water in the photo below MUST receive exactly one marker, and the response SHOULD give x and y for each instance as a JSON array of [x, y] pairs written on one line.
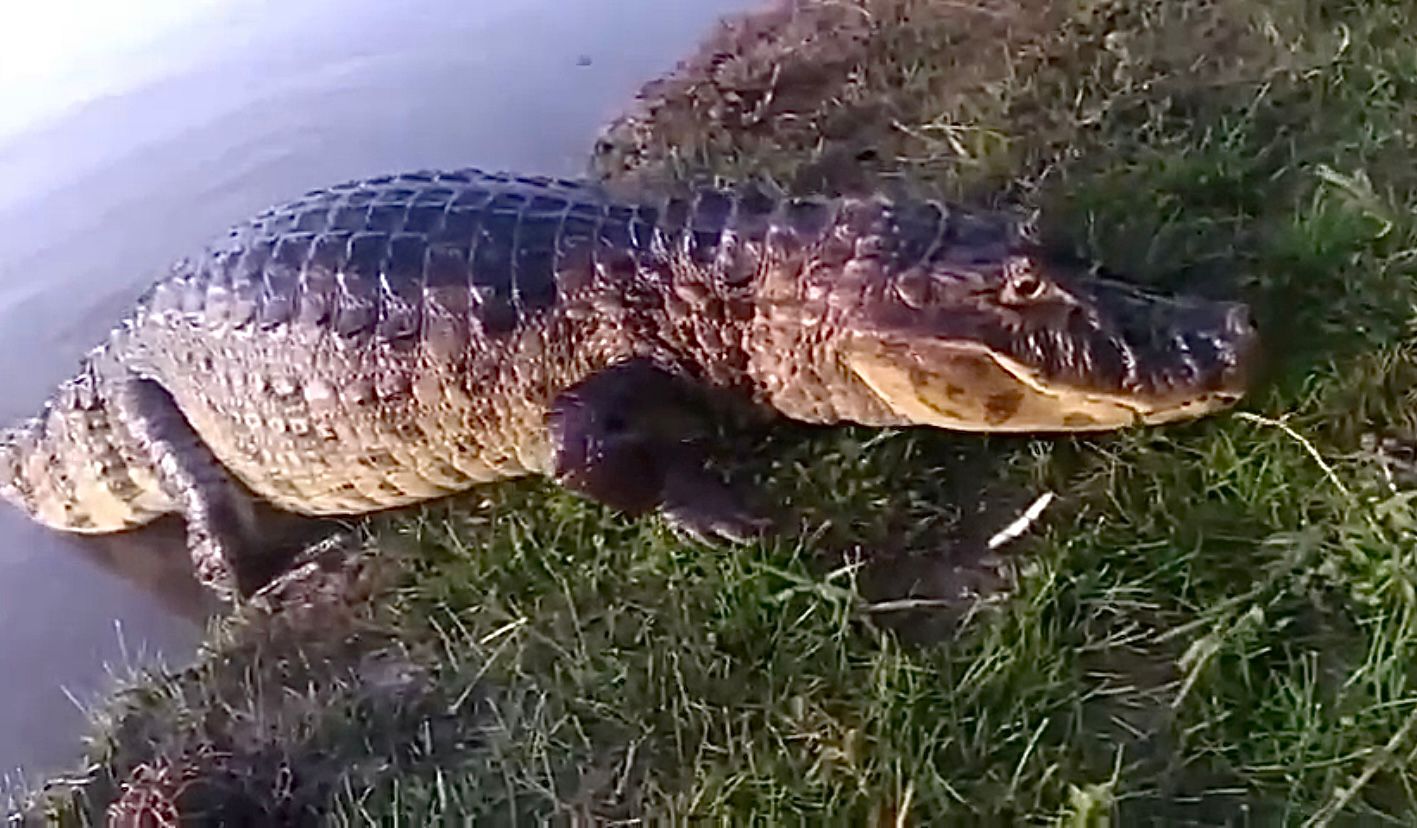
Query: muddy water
[[143, 152]]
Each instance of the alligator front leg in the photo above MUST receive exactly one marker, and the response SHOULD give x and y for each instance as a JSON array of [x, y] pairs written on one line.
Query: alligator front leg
[[228, 551], [625, 437]]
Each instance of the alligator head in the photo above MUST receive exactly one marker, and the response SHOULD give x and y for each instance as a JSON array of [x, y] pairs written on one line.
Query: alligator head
[[990, 335]]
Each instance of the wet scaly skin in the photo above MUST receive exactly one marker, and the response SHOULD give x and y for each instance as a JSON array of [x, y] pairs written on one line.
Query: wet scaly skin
[[390, 341]]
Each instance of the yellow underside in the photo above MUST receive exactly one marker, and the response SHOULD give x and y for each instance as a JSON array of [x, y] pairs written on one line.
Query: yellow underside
[[969, 388]]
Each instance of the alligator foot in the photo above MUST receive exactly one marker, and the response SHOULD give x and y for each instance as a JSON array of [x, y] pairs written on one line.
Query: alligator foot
[[321, 573], [702, 508], [230, 554], [625, 438]]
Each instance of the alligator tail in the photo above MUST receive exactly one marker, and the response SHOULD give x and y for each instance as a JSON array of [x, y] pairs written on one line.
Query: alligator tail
[[11, 452], [73, 467]]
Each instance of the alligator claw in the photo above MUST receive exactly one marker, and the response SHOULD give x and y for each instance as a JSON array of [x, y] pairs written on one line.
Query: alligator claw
[[309, 572], [695, 526], [704, 510]]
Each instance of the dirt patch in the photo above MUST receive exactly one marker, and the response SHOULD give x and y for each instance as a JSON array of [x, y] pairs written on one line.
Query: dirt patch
[[818, 96]]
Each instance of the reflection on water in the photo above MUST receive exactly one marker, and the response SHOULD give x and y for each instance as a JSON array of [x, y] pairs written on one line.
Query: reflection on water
[[245, 105]]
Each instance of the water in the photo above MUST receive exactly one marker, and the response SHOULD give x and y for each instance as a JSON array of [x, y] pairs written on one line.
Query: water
[[121, 156]]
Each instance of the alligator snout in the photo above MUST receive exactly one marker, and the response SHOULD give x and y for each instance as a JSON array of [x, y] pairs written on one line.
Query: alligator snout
[[1238, 352], [1203, 360]]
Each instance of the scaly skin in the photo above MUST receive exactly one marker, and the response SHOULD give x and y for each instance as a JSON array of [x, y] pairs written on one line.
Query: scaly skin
[[386, 342]]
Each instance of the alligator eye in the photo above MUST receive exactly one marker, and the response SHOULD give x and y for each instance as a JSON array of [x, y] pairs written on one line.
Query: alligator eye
[[915, 288], [1028, 286], [1022, 284]]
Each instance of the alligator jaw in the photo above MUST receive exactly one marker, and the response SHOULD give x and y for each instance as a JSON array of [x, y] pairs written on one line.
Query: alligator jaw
[[966, 387]]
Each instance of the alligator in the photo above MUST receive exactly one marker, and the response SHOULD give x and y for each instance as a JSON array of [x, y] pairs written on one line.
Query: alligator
[[388, 341]]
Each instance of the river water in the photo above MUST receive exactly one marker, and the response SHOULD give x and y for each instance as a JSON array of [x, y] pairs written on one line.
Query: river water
[[151, 137]]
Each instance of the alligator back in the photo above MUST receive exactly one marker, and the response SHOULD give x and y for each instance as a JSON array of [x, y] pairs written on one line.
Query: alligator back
[[388, 341], [391, 340], [75, 467]]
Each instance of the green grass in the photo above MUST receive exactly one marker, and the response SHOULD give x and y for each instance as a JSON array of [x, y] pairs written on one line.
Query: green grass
[[1217, 623]]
